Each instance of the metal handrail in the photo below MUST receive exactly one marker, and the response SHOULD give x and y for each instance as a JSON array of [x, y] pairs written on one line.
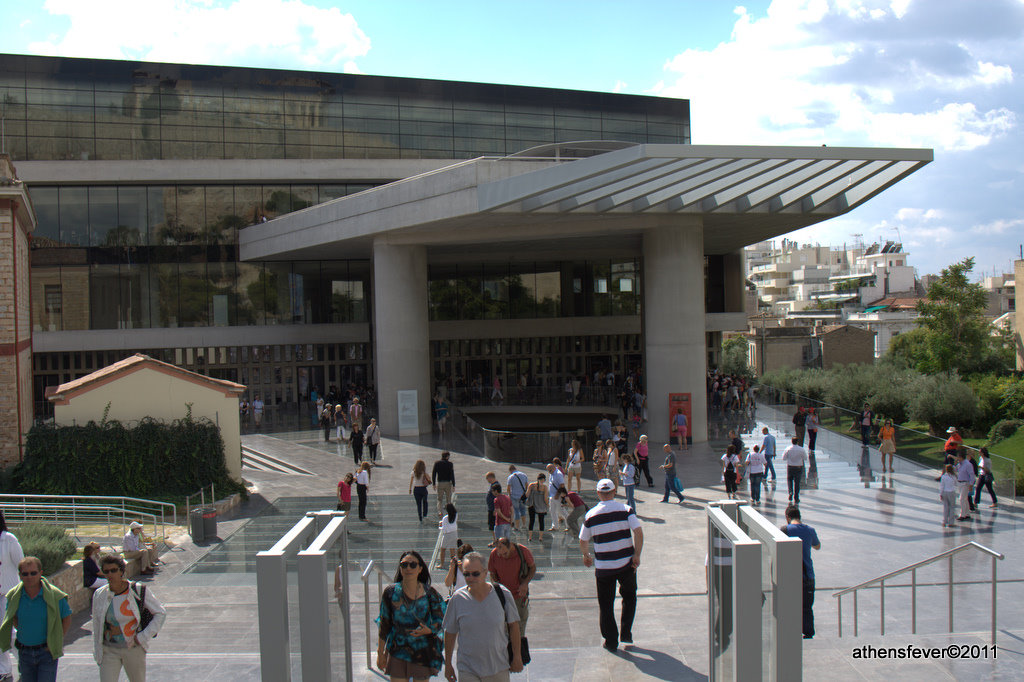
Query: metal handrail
[[912, 569], [371, 567], [75, 515], [70, 499], [202, 498]]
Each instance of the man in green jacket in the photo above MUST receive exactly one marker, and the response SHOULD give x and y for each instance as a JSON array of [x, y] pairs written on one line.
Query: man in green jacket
[[42, 615]]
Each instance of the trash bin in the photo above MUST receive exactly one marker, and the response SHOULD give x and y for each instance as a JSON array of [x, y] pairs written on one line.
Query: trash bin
[[196, 527], [209, 523]]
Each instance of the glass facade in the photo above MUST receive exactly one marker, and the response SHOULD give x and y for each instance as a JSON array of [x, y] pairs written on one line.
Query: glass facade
[[283, 375], [500, 291], [77, 109]]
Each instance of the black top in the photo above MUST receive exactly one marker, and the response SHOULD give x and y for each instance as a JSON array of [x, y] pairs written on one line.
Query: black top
[[90, 570], [443, 472]]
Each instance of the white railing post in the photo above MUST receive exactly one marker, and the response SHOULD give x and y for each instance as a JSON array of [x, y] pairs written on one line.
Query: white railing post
[[951, 593], [913, 601], [995, 583]]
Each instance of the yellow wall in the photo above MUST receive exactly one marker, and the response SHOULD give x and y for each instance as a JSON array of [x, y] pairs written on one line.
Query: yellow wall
[[149, 393]]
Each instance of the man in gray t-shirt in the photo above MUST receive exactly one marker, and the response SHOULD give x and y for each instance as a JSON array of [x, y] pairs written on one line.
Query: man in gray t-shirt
[[670, 474], [474, 618]]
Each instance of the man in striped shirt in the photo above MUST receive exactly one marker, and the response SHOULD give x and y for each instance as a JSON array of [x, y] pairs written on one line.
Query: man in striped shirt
[[618, 541]]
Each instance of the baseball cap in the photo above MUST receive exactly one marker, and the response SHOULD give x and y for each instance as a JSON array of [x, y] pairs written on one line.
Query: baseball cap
[[605, 485]]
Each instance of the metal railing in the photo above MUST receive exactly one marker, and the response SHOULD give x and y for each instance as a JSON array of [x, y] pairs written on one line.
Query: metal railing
[[70, 507], [831, 416], [912, 569], [202, 498], [73, 518], [372, 567]]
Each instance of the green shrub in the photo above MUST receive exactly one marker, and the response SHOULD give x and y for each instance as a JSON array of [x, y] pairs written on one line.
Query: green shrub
[[1003, 429], [49, 543], [850, 386], [147, 459], [1012, 405], [991, 390], [941, 401]]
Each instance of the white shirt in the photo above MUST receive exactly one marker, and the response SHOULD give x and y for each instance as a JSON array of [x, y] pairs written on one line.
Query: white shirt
[[947, 484], [363, 478], [794, 456], [755, 462]]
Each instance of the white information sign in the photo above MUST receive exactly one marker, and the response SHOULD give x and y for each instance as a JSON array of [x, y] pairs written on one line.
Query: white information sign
[[408, 414]]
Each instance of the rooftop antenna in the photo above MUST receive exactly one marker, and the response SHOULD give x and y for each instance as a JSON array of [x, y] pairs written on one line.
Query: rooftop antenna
[[858, 240]]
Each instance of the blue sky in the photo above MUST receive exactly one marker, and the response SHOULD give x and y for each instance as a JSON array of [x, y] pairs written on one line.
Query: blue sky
[[942, 74]]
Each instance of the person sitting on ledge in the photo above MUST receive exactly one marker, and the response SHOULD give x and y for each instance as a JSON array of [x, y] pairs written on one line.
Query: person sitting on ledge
[[133, 547]]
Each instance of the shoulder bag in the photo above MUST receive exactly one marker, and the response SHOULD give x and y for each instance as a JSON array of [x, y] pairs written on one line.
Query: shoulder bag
[[524, 645]]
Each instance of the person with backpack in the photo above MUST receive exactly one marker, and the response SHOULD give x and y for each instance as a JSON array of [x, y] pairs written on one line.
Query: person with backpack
[[512, 565], [730, 471], [411, 613], [126, 617]]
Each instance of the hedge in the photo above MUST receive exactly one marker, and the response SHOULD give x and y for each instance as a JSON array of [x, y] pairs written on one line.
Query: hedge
[[147, 459], [50, 544]]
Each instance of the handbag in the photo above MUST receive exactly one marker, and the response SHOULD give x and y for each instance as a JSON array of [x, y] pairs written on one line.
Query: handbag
[[524, 644], [145, 615]]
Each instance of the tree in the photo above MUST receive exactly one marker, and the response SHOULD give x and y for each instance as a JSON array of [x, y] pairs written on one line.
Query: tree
[[954, 317], [734, 356]]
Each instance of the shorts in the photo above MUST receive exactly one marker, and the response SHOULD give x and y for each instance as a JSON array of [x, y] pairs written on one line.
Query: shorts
[[405, 669], [681, 431], [518, 510], [449, 540], [576, 469]]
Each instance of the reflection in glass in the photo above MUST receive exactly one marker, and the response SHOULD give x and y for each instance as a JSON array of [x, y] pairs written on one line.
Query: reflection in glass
[[74, 216]]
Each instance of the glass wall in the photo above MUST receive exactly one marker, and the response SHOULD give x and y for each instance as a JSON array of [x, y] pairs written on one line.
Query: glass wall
[[77, 109], [498, 291]]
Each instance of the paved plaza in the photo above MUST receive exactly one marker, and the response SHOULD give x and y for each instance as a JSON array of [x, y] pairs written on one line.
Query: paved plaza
[[868, 522]]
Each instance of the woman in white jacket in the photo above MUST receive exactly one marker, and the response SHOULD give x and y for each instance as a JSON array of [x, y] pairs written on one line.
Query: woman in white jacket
[[118, 638], [10, 556]]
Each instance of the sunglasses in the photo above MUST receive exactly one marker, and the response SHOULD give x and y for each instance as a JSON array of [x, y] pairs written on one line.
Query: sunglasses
[[111, 571], [409, 564], [472, 574], [25, 574]]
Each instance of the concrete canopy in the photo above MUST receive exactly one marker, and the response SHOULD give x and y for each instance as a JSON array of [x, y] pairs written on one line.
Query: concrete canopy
[[742, 194]]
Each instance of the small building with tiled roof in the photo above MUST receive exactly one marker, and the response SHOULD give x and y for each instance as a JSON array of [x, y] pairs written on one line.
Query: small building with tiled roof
[[140, 386]]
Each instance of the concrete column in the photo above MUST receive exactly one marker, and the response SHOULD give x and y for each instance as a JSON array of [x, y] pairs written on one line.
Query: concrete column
[[674, 323], [401, 331]]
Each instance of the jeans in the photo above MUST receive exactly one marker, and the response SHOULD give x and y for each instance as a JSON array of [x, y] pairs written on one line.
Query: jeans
[[812, 438], [984, 481], [502, 530], [669, 478], [755, 487], [865, 434], [361, 491], [373, 451], [419, 494], [626, 579], [793, 477], [770, 463], [37, 665], [808, 625], [629, 496]]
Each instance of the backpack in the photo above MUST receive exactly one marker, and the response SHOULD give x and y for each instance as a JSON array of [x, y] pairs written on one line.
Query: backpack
[[524, 568], [636, 475], [729, 468]]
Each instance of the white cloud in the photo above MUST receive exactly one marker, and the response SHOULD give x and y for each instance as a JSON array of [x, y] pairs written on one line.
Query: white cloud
[[840, 72], [619, 86], [917, 215], [273, 33], [1000, 226]]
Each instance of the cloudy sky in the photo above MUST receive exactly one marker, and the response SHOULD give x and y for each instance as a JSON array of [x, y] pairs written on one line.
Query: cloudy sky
[[943, 74]]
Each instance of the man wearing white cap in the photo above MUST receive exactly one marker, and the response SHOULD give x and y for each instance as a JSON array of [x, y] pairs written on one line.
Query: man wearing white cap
[[132, 547], [618, 541]]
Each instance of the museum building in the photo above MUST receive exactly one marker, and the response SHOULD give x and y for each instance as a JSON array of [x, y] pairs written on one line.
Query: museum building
[[294, 230]]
